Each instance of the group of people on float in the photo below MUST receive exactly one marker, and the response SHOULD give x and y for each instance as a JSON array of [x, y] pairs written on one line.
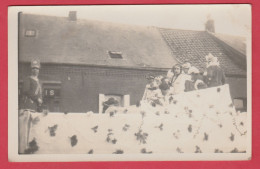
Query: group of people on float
[[184, 78]]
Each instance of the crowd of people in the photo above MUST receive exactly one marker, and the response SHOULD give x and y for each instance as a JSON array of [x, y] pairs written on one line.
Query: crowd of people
[[184, 78]]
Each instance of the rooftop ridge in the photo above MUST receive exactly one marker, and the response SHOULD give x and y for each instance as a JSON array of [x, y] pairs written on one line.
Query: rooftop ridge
[[184, 30], [96, 21]]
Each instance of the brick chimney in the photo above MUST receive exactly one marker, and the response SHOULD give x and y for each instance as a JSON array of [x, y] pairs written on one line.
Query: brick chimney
[[73, 16], [209, 26]]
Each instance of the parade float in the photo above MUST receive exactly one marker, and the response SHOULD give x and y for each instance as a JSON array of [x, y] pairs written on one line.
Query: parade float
[[201, 121]]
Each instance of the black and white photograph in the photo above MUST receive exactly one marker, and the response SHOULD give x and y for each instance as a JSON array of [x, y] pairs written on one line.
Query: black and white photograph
[[129, 82]]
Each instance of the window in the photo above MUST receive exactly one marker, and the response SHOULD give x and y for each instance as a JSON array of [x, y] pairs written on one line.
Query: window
[[51, 89], [30, 33], [52, 95], [73, 15], [115, 55], [113, 99], [240, 104]]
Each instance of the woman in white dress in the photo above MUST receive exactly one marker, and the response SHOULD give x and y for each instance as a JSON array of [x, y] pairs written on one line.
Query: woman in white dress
[[178, 80]]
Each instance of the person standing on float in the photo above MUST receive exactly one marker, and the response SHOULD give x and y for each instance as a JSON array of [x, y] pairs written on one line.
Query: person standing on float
[[214, 75], [177, 82]]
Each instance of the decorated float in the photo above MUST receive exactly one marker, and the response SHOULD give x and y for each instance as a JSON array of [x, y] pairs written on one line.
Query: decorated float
[[201, 121]]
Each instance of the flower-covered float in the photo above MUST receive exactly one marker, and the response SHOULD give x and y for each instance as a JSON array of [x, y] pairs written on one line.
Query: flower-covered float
[[201, 121]]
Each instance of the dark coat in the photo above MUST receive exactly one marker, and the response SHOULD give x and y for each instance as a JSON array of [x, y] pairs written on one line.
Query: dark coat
[[215, 76], [31, 92]]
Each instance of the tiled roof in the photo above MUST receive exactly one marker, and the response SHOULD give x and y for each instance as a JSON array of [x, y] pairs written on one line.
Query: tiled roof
[[195, 45], [88, 42]]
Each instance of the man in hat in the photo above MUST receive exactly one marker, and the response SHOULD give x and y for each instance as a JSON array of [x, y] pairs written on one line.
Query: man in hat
[[214, 75], [32, 91], [31, 101]]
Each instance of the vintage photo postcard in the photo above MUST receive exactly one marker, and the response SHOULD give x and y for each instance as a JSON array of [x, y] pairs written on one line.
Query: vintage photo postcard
[[129, 83]]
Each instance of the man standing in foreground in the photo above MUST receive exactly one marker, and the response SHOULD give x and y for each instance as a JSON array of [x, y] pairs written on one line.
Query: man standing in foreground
[[32, 91], [31, 102]]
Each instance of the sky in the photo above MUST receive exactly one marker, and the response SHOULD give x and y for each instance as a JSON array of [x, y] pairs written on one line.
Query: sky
[[229, 19]]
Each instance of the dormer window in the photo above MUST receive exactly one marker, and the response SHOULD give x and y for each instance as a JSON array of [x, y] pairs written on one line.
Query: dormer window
[[30, 33], [115, 55]]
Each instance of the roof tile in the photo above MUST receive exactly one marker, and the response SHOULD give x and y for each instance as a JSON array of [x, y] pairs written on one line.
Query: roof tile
[[195, 45]]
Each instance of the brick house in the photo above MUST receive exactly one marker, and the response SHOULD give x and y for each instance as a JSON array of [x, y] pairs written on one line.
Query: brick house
[[84, 62]]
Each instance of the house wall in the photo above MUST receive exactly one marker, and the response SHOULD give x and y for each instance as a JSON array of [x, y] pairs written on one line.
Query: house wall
[[238, 91], [80, 86], [238, 86]]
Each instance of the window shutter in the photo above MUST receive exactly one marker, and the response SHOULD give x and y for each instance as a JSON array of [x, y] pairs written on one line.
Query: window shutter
[[100, 103], [126, 100]]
